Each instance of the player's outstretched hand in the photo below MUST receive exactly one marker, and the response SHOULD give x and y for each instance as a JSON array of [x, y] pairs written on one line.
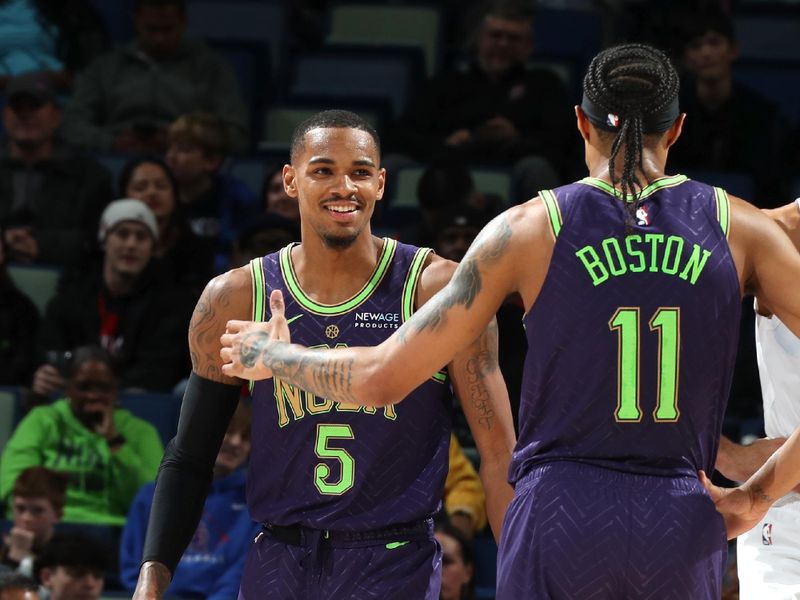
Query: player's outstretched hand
[[736, 506], [245, 344]]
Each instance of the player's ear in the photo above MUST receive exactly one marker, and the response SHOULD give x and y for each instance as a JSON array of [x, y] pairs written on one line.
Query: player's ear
[[582, 123], [381, 183], [290, 181]]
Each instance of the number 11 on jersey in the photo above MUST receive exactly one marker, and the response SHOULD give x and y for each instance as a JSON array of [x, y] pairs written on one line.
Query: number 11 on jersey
[[666, 321]]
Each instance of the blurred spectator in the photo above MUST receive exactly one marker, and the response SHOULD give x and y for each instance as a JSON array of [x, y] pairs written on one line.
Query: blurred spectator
[[728, 127], [267, 233], [212, 565], [107, 453], [121, 305], [72, 567], [274, 196], [180, 255], [458, 564], [455, 231], [216, 205], [19, 324], [37, 505], [50, 198], [496, 112], [54, 36], [464, 499], [16, 586], [124, 101]]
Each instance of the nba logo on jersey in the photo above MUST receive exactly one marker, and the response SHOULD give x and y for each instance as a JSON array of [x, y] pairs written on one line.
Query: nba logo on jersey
[[766, 534], [612, 120], [642, 218]]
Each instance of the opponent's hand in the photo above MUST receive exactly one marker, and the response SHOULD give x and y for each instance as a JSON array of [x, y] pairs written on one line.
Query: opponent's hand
[[738, 507], [245, 344]]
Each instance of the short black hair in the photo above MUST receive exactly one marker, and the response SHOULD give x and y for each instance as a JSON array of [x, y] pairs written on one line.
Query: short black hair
[[89, 353], [331, 119], [14, 580], [134, 163], [705, 21], [179, 4], [73, 550]]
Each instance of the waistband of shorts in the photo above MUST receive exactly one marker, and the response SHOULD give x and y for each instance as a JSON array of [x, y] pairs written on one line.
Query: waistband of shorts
[[297, 535], [593, 473]]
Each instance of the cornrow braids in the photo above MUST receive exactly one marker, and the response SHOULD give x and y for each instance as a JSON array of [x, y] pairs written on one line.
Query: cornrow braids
[[634, 84]]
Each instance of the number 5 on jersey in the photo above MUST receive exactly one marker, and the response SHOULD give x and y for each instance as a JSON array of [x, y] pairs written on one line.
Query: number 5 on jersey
[[324, 449], [666, 321]]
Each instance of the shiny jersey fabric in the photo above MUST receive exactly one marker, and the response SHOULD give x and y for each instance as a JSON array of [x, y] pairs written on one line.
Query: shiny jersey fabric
[[330, 465], [633, 337]]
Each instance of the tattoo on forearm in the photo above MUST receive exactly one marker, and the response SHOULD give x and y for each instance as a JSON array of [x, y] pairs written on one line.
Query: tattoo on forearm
[[482, 363], [760, 496], [466, 284]]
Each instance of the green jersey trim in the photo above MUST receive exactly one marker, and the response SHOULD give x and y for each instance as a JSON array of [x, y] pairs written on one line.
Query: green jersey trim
[[553, 211], [653, 186], [410, 292], [257, 287], [328, 310], [723, 210]]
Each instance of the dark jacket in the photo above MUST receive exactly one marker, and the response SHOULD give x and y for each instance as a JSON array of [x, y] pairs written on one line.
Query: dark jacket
[[19, 322], [65, 210], [153, 353]]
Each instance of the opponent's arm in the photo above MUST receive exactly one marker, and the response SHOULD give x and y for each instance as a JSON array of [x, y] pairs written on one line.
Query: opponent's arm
[[511, 254], [737, 462], [480, 388], [746, 505], [186, 470]]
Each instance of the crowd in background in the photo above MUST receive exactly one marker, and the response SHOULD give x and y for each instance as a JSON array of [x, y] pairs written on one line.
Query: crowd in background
[[121, 136]]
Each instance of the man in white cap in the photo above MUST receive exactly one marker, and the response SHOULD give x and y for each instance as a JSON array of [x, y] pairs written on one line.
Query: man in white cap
[[121, 305]]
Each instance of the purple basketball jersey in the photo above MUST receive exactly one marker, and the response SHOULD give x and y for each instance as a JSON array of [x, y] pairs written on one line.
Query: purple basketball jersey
[[633, 337], [330, 465]]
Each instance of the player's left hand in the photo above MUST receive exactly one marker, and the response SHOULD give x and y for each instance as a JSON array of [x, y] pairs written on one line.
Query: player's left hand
[[737, 507], [246, 343]]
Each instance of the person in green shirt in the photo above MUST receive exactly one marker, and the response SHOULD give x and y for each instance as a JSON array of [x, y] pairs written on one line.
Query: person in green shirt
[[107, 452]]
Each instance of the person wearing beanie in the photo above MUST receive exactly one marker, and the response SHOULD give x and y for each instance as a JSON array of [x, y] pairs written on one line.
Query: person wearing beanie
[[121, 304]]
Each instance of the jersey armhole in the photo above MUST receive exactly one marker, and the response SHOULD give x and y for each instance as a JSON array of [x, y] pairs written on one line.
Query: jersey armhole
[[258, 304], [723, 205], [553, 212]]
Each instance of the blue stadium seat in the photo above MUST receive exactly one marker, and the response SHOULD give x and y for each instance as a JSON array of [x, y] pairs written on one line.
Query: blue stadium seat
[[738, 184], [114, 164], [160, 410], [778, 81], [10, 413], [567, 33], [768, 37], [242, 20], [347, 74]]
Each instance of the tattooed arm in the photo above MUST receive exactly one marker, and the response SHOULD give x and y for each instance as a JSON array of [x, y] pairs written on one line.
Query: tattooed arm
[[511, 254], [482, 392], [207, 407]]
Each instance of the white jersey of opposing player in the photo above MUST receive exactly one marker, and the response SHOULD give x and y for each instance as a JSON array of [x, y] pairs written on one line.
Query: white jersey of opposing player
[[778, 351]]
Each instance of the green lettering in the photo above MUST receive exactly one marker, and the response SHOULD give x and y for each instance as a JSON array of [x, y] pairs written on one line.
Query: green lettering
[[287, 394], [696, 263], [622, 268], [596, 270], [654, 239], [672, 240], [635, 253]]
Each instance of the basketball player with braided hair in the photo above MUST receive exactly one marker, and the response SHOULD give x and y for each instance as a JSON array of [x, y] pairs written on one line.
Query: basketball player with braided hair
[[632, 282]]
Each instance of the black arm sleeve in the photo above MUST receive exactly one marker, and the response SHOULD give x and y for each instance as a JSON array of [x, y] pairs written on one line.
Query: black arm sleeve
[[187, 469]]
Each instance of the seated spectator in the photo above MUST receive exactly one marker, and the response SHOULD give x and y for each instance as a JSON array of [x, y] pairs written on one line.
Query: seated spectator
[[180, 255], [56, 37], [458, 564], [212, 565], [464, 499], [37, 505], [50, 198], [16, 586], [267, 233], [124, 101], [19, 323], [216, 205], [275, 198], [122, 305], [455, 231], [496, 112], [729, 126], [72, 567], [107, 453]]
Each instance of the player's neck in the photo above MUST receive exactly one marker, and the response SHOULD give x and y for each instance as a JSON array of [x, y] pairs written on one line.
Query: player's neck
[[332, 275], [653, 164]]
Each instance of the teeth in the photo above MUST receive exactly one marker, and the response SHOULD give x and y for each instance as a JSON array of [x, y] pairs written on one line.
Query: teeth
[[341, 209]]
